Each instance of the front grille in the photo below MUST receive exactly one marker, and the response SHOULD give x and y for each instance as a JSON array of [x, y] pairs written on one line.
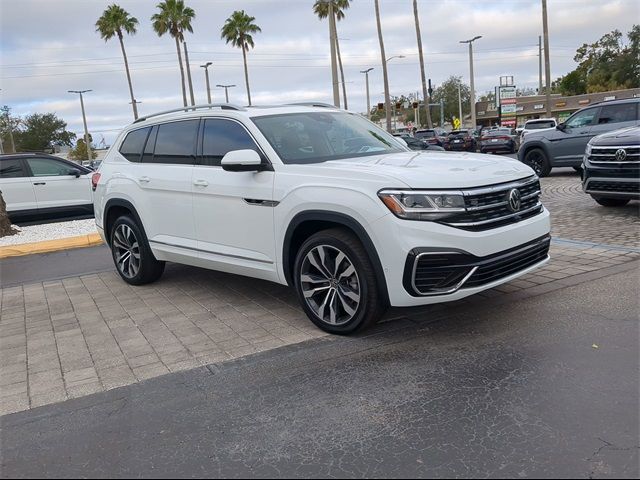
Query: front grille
[[620, 187], [488, 207], [438, 273], [609, 154], [509, 263]]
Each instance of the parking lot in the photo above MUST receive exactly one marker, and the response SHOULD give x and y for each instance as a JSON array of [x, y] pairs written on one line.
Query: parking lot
[[89, 333]]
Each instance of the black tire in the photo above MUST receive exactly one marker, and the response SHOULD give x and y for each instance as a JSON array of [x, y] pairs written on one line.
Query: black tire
[[611, 202], [148, 269], [370, 306], [538, 161]]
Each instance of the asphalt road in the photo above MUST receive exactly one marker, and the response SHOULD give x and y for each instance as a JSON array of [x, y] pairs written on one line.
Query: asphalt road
[[543, 387]]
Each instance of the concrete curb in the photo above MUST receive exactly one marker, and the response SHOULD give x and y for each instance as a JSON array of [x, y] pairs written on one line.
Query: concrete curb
[[50, 245]]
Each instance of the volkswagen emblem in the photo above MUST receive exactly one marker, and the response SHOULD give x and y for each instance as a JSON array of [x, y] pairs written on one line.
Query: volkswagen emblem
[[514, 202], [621, 154]]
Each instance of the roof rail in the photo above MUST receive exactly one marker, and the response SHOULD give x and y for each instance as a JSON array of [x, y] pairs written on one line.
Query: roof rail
[[313, 104], [222, 106]]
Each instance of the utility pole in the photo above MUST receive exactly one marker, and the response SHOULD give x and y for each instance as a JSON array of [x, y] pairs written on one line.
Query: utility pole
[[84, 121], [473, 93], [206, 75], [186, 61], [460, 105], [547, 66], [334, 66], [366, 75], [539, 65], [226, 90]]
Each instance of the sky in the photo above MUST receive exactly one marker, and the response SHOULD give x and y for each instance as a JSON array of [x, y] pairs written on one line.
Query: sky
[[50, 46]]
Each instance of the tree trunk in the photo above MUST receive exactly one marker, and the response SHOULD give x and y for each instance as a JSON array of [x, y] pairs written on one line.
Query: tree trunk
[[186, 62], [126, 67], [5, 223], [387, 102], [344, 85], [425, 93], [246, 73], [184, 92]]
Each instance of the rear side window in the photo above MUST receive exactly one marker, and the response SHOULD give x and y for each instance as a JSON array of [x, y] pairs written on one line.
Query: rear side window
[[12, 168], [131, 148], [223, 136], [176, 143], [622, 112]]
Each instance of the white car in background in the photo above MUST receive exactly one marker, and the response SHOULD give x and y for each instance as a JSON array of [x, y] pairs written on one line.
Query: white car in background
[[538, 125], [37, 184]]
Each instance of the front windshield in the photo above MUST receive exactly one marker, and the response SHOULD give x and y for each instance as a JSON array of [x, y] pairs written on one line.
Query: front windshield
[[314, 137]]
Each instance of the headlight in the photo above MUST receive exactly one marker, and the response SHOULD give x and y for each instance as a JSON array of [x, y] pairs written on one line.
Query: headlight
[[587, 151], [423, 205]]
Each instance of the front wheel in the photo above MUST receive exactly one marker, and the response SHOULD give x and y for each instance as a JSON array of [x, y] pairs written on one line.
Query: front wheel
[[611, 202], [538, 161], [131, 253], [336, 283]]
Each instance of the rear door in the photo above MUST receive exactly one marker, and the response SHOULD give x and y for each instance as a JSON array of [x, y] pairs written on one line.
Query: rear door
[[233, 210], [56, 185], [616, 116], [16, 186]]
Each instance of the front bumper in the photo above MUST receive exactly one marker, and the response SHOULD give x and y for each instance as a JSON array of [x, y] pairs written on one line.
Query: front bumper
[[611, 181], [395, 239]]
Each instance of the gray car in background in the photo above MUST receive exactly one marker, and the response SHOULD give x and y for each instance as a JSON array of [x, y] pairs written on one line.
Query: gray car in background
[[564, 146]]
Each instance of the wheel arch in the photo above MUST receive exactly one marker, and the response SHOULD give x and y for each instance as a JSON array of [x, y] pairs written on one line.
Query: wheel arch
[[309, 222], [113, 209], [527, 147]]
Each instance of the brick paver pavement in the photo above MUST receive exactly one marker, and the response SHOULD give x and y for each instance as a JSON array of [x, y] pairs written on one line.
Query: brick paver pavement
[[73, 337]]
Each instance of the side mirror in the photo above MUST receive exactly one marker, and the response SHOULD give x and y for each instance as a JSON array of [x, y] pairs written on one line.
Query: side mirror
[[242, 161], [75, 172], [561, 126]]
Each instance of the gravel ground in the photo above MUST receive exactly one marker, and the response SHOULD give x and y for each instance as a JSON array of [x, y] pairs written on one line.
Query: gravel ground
[[50, 231]]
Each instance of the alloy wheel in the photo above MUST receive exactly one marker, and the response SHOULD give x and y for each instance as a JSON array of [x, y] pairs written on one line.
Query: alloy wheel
[[330, 285], [126, 250]]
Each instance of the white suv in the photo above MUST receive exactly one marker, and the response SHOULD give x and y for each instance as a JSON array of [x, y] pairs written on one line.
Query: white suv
[[319, 199]]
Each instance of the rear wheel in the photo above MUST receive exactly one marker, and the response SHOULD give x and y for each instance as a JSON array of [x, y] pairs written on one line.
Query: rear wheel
[[131, 253], [611, 202], [538, 161], [336, 283]]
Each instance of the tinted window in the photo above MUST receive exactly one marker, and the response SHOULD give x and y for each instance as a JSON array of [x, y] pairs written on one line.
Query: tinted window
[[583, 118], [176, 142], [623, 112], [47, 167], [221, 137], [540, 125], [147, 156], [131, 148], [11, 168]]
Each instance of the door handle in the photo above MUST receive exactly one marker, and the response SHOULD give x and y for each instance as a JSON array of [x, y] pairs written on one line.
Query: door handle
[[40, 183], [201, 183], [144, 179]]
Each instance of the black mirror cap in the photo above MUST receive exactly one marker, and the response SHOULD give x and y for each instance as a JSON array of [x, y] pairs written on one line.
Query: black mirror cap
[[561, 127], [234, 167], [75, 172]]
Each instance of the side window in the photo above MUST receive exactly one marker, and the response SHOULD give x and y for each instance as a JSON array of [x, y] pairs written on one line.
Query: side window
[[131, 148], [623, 112], [583, 118], [176, 142], [46, 167], [222, 136], [12, 168], [147, 156]]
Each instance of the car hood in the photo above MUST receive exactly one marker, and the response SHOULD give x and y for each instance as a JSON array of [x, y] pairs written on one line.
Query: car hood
[[623, 137], [434, 169]]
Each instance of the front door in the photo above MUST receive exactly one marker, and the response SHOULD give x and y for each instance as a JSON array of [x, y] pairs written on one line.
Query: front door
[[56, 185], [568, 145], [233, 211]]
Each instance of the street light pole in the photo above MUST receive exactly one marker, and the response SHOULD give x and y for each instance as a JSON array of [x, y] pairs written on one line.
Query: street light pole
[[84, 121], [473, 93], [366, 74], [547, 66], [206, 75], [460, 104], [226, 90], [387, 95]]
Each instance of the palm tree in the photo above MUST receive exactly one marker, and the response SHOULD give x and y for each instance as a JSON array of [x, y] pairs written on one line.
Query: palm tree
[[237, 30], [422, 74], [387, 102], [114, 21], [174, 18], [321, 9]]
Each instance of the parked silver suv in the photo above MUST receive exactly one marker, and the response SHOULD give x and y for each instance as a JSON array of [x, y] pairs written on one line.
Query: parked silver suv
[[564, 146]]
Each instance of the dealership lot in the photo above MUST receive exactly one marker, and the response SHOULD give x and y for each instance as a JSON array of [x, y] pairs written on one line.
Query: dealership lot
[[89, 333]]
